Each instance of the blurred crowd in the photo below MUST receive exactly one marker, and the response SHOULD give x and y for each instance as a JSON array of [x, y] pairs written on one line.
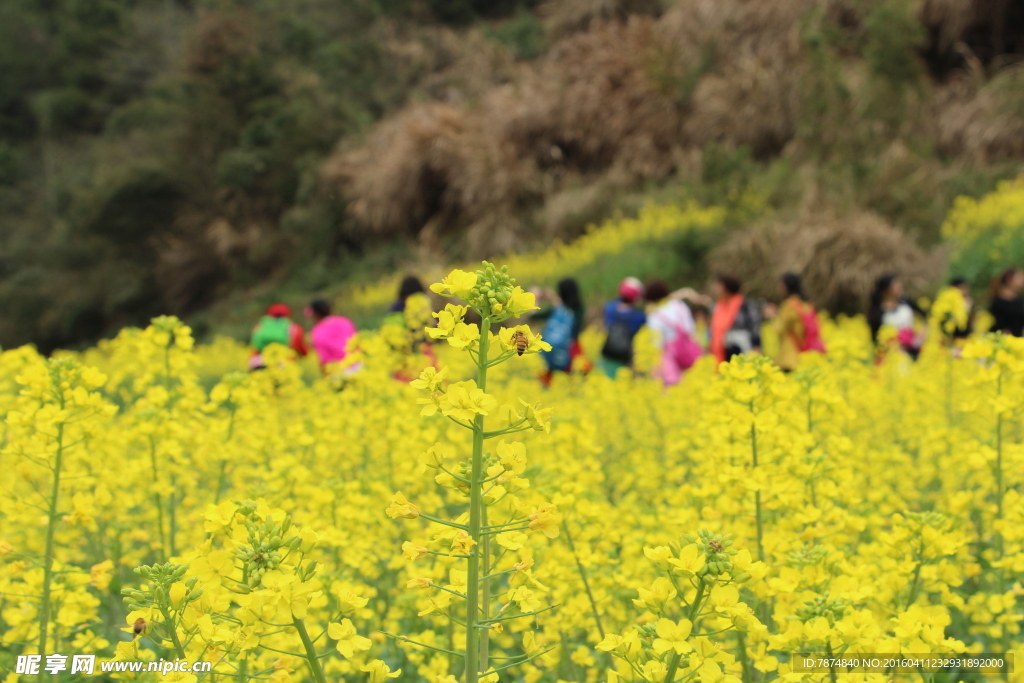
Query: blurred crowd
[[685, 324]]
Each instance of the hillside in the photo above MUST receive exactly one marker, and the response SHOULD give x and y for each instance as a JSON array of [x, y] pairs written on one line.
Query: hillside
[[199, 157]]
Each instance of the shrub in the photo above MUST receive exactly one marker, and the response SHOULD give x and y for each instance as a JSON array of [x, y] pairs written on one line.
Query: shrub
[[987, 233]]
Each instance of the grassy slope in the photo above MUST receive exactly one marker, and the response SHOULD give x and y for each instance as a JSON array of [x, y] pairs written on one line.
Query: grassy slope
[[209, 180]]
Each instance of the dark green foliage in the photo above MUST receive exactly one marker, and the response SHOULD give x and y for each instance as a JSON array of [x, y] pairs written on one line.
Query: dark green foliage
[[140, 207], [892, 53], [464, 11], [156, 152], [11, 168], [895, 37], [676, 77], [158, 155], [523, 34]]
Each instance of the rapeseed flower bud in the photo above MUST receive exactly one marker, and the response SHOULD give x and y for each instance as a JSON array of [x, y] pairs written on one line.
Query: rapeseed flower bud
[[413, 552], [401, 508]]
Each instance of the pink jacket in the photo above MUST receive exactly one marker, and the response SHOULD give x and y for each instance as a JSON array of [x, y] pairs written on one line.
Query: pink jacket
[[330, 338]]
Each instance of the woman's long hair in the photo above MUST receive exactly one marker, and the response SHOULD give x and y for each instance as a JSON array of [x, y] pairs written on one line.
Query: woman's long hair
[[569, 293], [731, 283], [655, 290], [1002, 280], [882, 285], [791, 281], [410, 285]]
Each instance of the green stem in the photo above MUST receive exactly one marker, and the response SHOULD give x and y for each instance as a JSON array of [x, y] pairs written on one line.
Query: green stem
[[51, 528], [757, 493], [915, 582], [157, 500], [220, 481], [405, 639], [450, 638], [473, 635], [673, 663], [497, 618], [172, 524], [695, 605], [673, 666], [307, 645], [831, 669], [741, 645], [949, 405], [586, 583], [167, 366], [999, 455], [445, 522], [172, 632], [485, 634], [760, 526]]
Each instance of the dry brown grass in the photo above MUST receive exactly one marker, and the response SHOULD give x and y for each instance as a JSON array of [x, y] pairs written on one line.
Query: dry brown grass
[[991, 28], [433, 164], [623, 102], [839, 258], [594, 106], [567, 16], [628, 94], [982, 125], [951, 17]]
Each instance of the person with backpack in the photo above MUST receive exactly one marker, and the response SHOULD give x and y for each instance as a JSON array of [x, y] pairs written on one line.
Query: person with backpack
[[796, 324], [1007, 307], [330, 334], [622, 320], [735, 321], [412, 310], [405, 329], [276, 327], [562, 324], [889, 307], [951, 317], [672, 322]]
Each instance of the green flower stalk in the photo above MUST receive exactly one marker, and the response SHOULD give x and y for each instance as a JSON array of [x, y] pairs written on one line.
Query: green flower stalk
[[488, 477], [51, 526], [59, 380], [272, 563], [694, 568], [158, 594]]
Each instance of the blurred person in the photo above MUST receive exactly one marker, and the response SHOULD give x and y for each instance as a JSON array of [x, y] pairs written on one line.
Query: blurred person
[[413, 310], [672, 322], [622, 320], [409, 286], [735, 321], [953, 313], [330, 334], [411, 313], [1007, 305], [890, 307], [701, 320], [276, 327], [796, 324], [563, 323]]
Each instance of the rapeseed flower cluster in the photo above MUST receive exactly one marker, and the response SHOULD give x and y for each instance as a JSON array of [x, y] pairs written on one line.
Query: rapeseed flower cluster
[[654, 222], [987, 233], [471, 525]]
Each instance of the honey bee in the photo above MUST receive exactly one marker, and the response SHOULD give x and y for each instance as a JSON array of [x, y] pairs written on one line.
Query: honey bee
[[520, 341], [139, 627]]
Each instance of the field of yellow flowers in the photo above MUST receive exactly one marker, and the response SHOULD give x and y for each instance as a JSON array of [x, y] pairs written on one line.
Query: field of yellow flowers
[[156, 504]]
